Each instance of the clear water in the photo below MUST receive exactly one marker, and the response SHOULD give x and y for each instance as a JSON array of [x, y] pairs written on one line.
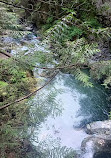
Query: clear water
[[78, 106]]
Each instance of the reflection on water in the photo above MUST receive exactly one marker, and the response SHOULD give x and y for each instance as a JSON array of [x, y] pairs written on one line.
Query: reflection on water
[[78, 105]]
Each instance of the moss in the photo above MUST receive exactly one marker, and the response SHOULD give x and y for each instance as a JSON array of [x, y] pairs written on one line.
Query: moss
[[3, 84]]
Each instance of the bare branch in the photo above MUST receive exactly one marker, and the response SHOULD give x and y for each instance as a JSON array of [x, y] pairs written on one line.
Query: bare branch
[[6, 54], [62, 67], [16, 6], [48, 68], [24, 8], [50, 3]]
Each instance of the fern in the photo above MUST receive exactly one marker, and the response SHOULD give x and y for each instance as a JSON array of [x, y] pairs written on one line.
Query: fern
[[8, 20], [107, 82], [18, 34], [83, 77], [102, 70], [81, 49], [60, 152], [57, 31]]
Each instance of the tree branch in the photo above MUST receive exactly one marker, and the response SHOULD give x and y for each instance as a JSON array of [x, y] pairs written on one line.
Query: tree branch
[[50, 3], [24, 8], [62, 67], [29, 95], [6, 54], [16, 6], [47, 68]]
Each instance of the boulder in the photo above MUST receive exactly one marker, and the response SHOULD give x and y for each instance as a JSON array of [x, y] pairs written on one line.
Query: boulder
[[93, 146], [99, 143], [100, 128]]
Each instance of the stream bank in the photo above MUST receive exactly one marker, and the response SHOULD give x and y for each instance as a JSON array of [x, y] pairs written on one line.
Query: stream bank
[[15, 82]]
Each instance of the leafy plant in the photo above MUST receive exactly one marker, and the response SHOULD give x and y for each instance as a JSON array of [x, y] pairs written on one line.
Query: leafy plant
[[102, 70]]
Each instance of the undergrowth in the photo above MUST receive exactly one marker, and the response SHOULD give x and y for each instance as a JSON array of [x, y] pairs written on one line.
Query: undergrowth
[[15, 82]]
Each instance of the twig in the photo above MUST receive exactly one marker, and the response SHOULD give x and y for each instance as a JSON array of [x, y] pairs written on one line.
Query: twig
[[50, 3], [24, 8], [47, 68], [16, 6], [61, 67], [29, 95], [6, 54]]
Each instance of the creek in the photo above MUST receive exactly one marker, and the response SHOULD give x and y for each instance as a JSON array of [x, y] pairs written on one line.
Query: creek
[[78, 106], [71, 105]]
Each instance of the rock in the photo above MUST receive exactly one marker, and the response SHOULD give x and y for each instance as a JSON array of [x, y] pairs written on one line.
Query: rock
[[102, 155], [91, 146], [101, 5], [99, 128], [27, 145], [100, 142], [12, 155], [28, 28]]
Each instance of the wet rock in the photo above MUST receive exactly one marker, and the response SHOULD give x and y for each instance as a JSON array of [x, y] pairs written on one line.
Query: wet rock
[[5, 39], [28, 150], [11, 155], [91, 146], [29, 28], [102, 155], [101, 128], [27, 146], [99, 142], [104, 53]]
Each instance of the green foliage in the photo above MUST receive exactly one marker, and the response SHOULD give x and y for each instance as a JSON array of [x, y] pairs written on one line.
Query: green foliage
[[71, 39], [18, 80], [77, 51], [83, 77], [107, 82], [61, 152], [11, 72], [74, 32], [102, 70], [14, 120], [11, 135], [73, 25], [93, 22], [8, 20], [3, 84], [69, 10], [49, 19], [48, 24], [110, 115]]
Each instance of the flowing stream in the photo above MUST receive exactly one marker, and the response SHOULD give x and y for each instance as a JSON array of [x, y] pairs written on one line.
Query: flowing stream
[[78, 106], [71, 106]]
